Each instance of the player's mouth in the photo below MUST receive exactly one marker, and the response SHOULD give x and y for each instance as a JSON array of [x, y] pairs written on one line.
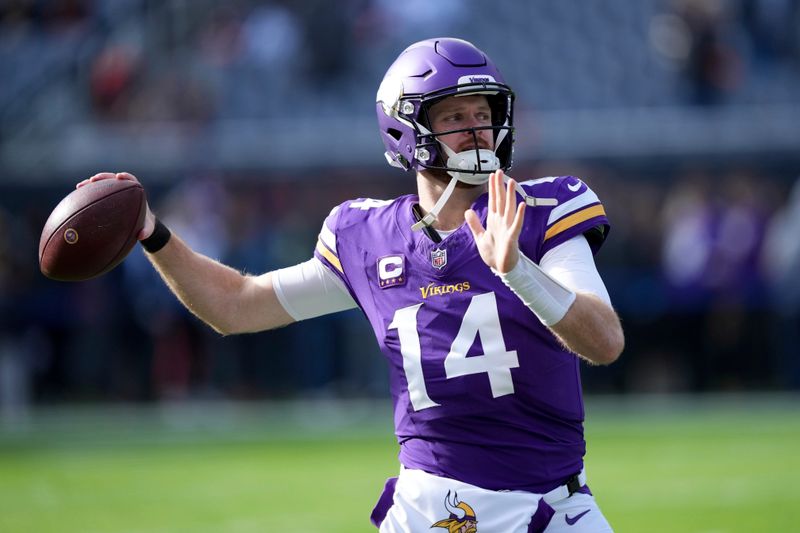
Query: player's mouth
[[482, 145]]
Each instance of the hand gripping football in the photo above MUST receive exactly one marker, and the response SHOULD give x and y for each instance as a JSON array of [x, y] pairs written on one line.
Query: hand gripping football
[[92, 230]]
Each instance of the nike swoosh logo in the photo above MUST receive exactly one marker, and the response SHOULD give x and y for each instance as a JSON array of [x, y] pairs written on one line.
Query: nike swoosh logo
[[571, 521], [574, 187]]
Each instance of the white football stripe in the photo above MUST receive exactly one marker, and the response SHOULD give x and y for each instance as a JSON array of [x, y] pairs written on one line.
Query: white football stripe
[[588, 197], [548, 179], [328, 238]]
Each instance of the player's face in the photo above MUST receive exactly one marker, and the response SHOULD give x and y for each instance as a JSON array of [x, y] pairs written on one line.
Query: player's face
[[459, 112]]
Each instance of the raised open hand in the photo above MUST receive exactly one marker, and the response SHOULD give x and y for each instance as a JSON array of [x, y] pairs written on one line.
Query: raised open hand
[[498, 243]]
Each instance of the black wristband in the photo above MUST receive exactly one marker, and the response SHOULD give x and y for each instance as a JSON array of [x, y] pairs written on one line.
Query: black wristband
[[158, 239]]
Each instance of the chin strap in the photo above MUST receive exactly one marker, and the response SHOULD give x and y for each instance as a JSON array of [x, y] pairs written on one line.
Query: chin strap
[[430, 218]]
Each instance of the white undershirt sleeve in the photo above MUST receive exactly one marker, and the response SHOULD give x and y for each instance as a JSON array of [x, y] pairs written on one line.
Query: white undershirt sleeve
[[310, 289], [572, 264]]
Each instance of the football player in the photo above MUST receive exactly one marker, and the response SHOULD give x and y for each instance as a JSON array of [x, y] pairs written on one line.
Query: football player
[[482, 292]]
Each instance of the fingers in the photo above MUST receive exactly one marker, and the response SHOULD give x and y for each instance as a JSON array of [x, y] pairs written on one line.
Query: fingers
[[519, 219], [502, 197], [107, 176], [499, 191], [126, 176], [511, 202], [492, 203], [102, 176], [96, 177], [474, 223]]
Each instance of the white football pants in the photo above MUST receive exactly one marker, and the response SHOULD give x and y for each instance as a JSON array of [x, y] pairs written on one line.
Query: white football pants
[[424, 502]]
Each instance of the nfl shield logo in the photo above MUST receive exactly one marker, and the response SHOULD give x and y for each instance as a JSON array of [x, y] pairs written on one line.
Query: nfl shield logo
[[439, 258]]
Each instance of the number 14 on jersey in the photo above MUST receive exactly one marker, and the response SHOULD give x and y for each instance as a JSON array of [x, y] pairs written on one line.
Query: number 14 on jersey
[[481, 318]]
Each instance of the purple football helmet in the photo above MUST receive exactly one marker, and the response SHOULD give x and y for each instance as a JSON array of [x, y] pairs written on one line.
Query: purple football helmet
[[423, 74]]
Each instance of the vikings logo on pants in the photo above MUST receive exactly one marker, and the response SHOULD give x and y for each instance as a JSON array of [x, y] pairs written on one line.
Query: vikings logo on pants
[[462, 516]]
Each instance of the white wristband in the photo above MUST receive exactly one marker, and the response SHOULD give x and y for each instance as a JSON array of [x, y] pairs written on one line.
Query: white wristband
[[547, 298]]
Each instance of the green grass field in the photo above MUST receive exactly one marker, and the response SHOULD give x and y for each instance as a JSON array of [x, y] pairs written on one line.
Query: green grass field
[[719, 465]]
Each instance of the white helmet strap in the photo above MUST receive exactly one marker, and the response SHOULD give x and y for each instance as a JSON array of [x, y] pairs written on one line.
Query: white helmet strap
[[430, 217]]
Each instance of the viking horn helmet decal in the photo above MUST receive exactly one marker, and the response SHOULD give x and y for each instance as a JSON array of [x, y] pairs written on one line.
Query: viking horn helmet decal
[[461, 515], [454, 507], [457, 509]]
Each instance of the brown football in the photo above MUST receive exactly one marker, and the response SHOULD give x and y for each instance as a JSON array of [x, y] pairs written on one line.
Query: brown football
[[92, 230]]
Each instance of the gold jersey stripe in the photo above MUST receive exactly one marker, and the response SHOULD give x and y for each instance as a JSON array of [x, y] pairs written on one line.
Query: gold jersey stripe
[[327, 254], [574, 219]]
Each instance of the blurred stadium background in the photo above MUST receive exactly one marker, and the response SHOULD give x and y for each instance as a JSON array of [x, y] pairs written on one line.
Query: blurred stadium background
[[248, 120]]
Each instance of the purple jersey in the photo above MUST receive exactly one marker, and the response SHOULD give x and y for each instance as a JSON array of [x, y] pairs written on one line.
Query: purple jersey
[[482, 391]]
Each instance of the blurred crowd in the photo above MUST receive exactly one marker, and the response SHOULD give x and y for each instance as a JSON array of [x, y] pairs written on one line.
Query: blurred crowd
[[148, 60], [702, 268]]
